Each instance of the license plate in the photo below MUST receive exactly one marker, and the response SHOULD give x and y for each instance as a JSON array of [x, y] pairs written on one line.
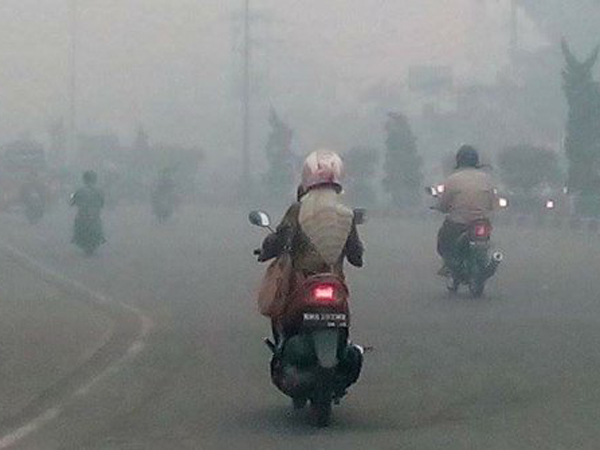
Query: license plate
[[325, 319]]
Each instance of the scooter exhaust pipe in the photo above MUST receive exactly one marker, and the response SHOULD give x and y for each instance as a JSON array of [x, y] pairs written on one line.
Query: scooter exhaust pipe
[[495, 260]]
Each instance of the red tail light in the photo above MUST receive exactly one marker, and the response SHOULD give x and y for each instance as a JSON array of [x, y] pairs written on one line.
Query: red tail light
[[324, 293], [482, 230]]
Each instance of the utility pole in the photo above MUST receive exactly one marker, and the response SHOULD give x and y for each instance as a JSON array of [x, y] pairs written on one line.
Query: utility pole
[[74, 30], [514, 28], [245, 177]]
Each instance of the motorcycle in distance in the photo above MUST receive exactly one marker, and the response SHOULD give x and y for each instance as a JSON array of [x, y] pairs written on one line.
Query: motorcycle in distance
[[34, 206], [88, 234], [315, 362], [473, 266]]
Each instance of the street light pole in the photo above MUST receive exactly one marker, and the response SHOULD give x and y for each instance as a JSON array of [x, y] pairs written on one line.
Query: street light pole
[[74, 29], [514, 28], [245, 176]]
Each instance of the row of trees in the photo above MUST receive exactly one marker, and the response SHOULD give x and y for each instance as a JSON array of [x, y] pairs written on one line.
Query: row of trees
[[582, 143], [403, 178], [522, 168]]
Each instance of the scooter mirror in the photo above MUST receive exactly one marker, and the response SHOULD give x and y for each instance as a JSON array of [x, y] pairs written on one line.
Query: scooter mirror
[[430, 190], [360, 216], [260, 219]]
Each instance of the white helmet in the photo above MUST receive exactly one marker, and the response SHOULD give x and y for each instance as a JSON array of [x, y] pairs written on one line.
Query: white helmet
[[322, 168]]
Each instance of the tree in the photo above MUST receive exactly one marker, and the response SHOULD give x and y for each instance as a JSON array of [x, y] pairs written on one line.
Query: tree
[[578, 19], [526, 167], [582, 143], [141, 144], [403, 178], [361, 167], [280, 175]]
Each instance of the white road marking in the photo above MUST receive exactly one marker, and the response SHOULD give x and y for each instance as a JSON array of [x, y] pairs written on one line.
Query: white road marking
[[15, 436]]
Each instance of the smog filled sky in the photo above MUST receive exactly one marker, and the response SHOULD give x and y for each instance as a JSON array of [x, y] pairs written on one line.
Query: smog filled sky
[[174, 66]]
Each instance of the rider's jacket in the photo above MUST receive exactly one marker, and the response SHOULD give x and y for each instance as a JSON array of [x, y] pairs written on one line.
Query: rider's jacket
[[89, 201], [469, 195], [319, 232]]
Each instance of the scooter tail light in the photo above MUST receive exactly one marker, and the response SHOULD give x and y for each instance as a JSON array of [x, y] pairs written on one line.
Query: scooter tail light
[[324, 293]]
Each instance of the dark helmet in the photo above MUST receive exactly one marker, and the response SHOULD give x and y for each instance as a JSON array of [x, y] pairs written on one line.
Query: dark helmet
[[467, 156], [90, 177]]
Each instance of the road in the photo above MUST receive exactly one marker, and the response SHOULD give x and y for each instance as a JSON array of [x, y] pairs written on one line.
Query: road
[[519, 369]]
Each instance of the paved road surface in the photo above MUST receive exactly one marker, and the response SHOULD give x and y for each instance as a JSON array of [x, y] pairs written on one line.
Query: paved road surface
[[517, 370], [45, 334]]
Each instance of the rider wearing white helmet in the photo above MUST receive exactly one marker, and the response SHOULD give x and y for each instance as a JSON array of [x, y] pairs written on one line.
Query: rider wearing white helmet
[[318, 229]]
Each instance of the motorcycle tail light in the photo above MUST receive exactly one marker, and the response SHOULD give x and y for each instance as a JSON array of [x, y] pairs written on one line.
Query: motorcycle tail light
[[324, 293], [482, 230]]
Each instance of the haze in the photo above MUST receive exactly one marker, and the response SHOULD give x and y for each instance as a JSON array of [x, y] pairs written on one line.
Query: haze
[[174, 66]]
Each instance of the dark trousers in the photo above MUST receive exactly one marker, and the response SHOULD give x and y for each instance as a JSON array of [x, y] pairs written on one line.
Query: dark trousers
[[448, 237]]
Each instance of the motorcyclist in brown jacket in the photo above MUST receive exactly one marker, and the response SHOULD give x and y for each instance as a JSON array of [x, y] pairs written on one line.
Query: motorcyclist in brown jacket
[[469, 195]]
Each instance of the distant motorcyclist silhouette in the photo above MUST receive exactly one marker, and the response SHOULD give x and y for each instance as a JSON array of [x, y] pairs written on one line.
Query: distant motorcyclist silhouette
[[164, 196], [87, 228], [33, 198]]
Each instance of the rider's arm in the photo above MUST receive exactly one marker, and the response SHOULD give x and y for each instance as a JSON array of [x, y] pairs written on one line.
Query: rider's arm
[[354, 248], [494, 196], [275, 243], [445, 201], [447, 197], [494, 200]]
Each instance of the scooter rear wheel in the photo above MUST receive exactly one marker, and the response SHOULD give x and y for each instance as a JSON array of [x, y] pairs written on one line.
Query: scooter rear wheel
[[321, 409]]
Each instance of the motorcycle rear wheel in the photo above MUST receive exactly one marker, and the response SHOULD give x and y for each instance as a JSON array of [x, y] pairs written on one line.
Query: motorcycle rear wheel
[[477, 287], [321, 409]]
